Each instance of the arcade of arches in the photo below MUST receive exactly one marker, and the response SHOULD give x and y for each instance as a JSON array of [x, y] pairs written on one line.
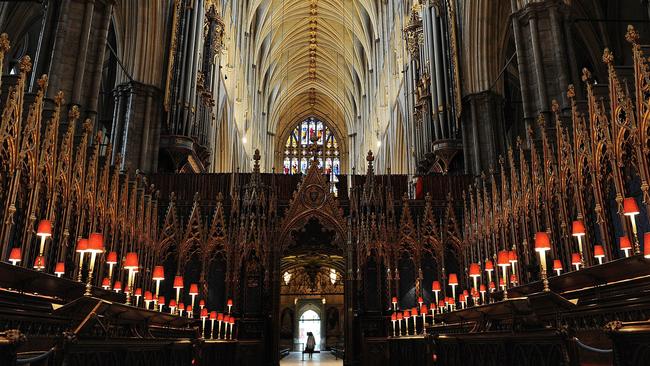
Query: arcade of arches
[[412, 182]]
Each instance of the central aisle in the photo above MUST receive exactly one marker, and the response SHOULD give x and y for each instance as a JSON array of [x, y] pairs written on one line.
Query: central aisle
[[321, 359]]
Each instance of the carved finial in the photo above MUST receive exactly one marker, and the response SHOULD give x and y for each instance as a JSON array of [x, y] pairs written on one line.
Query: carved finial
[[58, 98], [4, 43], [608, 57], [196, 197], [541, 121], [632, 35], [88, 125], [555, 106], [571, 92], [519, 142], [370, 157], [256, 158], [42, 82], [74, 113], [26, 64]]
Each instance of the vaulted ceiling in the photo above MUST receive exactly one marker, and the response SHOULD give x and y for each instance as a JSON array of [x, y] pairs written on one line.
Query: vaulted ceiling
[[286, 60], [312, 57]]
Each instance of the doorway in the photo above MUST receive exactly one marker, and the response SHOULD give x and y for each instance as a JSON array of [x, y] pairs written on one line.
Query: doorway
[[309, 322]]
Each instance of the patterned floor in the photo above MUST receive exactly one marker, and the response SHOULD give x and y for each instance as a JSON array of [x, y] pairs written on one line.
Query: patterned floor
[[321, 359]]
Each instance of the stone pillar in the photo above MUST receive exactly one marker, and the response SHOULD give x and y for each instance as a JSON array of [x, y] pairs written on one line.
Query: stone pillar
[[539, 29], [136, 126], [75, 67], [483, 133]]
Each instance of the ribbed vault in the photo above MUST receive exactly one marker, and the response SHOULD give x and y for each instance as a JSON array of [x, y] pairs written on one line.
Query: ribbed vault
[[312, 57]]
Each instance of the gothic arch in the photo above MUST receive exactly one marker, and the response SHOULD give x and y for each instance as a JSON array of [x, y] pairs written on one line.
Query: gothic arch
[[313, 199]]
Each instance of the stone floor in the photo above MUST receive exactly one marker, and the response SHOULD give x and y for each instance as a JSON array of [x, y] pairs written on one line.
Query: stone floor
[[321, 359]]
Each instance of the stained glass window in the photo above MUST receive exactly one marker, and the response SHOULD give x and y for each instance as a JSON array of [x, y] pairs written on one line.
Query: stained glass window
[[297, 151]]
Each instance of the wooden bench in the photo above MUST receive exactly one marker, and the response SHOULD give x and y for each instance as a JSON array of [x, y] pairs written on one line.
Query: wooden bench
[[338, 353], [284, 352], [303, 353]]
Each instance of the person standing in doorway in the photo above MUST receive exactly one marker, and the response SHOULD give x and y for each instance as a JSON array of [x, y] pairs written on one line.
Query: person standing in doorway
[[311, 344]]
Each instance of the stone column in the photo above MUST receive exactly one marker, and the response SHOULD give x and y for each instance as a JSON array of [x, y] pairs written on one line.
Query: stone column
[[138, 110], [539, 29]]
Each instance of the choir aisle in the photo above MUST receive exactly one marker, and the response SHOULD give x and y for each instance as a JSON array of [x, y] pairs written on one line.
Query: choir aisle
[[320, 359]]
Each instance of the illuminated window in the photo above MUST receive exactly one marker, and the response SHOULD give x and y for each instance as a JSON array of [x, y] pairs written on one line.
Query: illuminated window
[[299, 145]]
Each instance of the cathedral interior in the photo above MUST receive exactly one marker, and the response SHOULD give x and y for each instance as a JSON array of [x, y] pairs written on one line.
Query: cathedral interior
[[334, 182]]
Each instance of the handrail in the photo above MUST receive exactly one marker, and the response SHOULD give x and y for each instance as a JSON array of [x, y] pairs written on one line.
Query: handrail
[[592, 349], [26, 361]]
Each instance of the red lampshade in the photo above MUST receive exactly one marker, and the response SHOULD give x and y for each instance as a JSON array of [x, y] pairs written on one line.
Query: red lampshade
[[435, 286], [117, 286], [465, 293], [201, 302], [424, 309], [39, 263], [492, 285], [158, 273], [194, 289], [400, 316], [625, 243], [513, 279], [474, 270], [461, 297], [414, 311], [453, 279], [229, 303], [420, 299], [188, 308], [131, 261], [441, 303], [178, 282], [82, 245], [393, 317], [394, 300], [172, 303], [60, 268], [407, 313], [578, 228], [111, 258], [542, 242], [138, 292], [226, 318], [512, 256], [482, 288], [489, 266], [557, 265], [161, 300], [44, 228], [204, 313], [452, 301], [646, 245], [148, 296], [181, 306], [14, 255], [503, 259], [630, 208], [96, 243], [502, 282], [106, 283], [231, 320], [213, 315], [220, 317], [599, 251], [576, 259]]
